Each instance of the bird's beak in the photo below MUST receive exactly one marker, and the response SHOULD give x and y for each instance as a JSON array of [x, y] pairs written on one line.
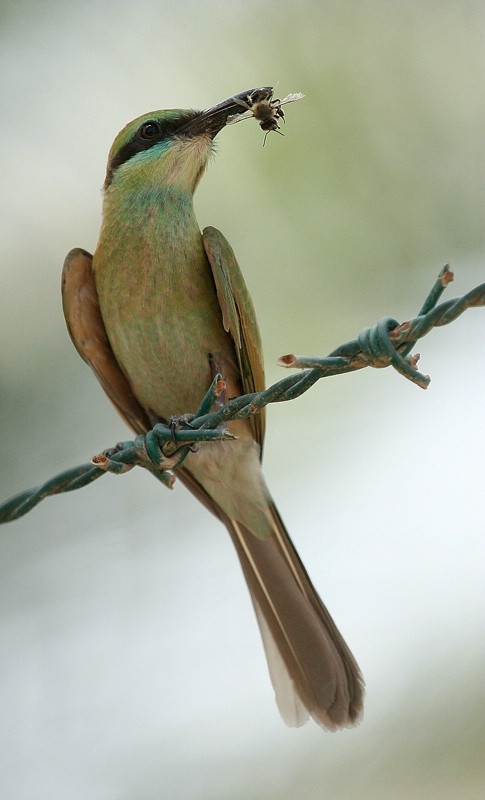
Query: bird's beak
[[214, 119]]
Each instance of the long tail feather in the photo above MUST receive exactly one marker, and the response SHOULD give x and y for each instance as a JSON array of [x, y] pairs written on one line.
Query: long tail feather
[[312, 670]]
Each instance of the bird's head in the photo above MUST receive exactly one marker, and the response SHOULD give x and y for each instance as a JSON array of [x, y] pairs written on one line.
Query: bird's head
[[171, 147]]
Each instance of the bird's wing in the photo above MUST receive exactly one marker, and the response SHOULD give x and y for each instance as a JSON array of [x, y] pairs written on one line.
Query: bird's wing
[[86, 328], [238, 316]]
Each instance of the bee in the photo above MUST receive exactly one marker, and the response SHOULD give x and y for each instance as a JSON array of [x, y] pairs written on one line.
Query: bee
[[260, 105]]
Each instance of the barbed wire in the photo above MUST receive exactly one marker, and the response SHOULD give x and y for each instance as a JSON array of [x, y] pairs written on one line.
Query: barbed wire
[[163, 449]]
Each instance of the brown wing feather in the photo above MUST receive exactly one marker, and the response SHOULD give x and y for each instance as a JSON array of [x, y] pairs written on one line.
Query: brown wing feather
[[86, 329], [238, 316]]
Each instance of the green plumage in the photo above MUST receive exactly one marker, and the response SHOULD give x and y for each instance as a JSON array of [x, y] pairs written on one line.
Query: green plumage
[[162, 316], [157, 312]]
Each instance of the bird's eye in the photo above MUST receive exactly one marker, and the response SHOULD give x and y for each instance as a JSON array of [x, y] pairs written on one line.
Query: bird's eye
[[149, 130]]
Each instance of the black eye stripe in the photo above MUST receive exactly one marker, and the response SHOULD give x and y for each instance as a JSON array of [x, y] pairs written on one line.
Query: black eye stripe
[[148, 134]]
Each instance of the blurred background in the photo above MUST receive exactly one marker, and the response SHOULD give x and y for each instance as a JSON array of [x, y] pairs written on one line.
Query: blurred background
[[131, 665]]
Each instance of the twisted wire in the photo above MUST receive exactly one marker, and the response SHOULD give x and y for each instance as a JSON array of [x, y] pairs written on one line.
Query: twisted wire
[[163, 449]]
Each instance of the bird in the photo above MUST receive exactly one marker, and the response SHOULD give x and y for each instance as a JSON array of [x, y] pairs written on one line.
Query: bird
[[157, 312]]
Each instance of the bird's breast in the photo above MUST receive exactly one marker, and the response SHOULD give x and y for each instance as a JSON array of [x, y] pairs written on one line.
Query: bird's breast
[[158, 300]]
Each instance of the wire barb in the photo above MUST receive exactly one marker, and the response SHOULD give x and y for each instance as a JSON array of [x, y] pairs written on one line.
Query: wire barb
[[163, 449]]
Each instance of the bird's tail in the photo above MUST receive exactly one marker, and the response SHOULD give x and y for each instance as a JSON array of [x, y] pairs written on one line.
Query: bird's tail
[[312, 670]]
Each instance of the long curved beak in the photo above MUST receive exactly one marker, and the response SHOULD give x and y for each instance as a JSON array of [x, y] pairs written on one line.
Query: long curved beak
[[214, 119]]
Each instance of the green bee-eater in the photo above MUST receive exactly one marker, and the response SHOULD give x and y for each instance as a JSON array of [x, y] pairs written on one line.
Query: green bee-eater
[[156, 313]]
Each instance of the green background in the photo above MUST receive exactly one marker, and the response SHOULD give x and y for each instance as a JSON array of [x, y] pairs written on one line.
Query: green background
[[131, 667]]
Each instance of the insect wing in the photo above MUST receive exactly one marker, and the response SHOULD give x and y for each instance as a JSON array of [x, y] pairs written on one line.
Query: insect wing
[[239, 117], [291, 98]]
